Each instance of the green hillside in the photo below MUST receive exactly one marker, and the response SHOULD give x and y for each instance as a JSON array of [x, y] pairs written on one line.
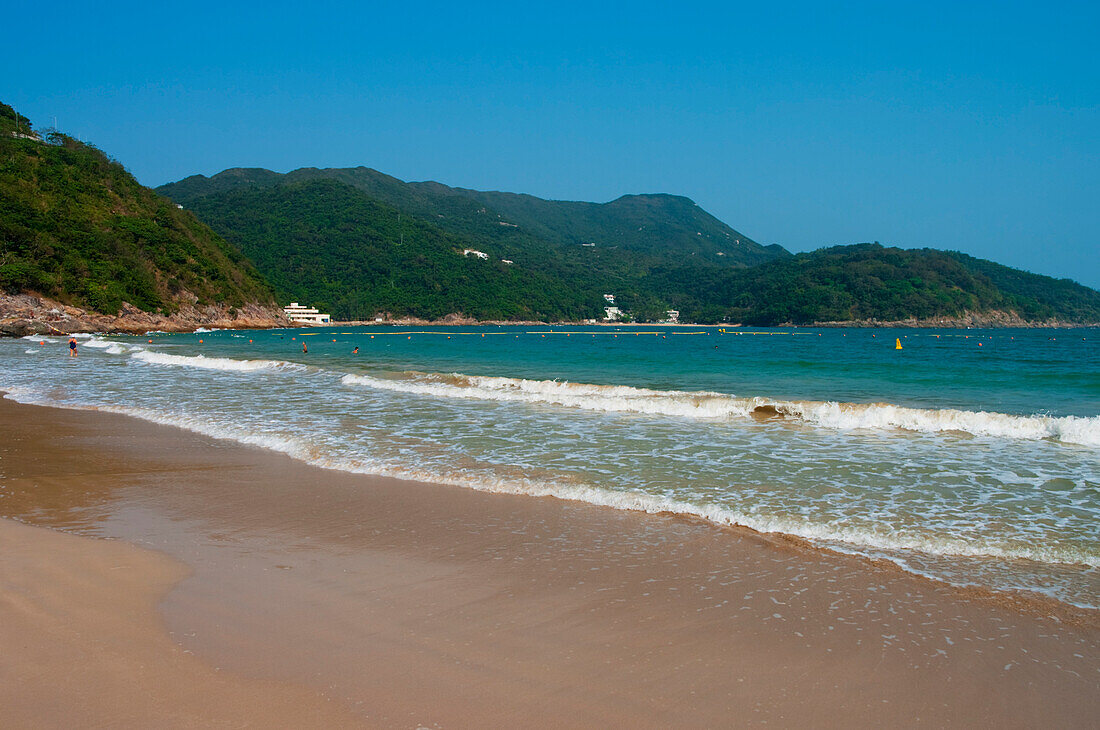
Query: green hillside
[[869, 281], [76, 226], [577, 251], [641, 230], [324, 242], [333, 237]]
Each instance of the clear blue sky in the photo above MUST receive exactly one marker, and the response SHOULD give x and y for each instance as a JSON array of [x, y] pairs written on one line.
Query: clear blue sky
[[969, 126]]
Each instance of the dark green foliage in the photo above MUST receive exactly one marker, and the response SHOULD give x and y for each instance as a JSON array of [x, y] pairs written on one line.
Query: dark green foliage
[[651, 229], [869, 281], [328, 244], [76, 226], [654, 252], [633, 236]]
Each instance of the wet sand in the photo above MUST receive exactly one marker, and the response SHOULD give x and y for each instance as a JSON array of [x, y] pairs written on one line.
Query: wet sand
[[401, 604]]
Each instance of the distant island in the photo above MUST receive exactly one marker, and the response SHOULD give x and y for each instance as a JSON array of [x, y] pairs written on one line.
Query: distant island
[[84, 246]]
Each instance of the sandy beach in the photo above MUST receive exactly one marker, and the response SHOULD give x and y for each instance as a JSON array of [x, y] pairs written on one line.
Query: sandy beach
[[154, 577]]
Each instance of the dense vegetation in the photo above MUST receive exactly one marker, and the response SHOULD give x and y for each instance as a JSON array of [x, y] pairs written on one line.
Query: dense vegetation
[[869, 281], [638, 231], [76, 226], [326, 243], [565, 254], [328, 237]]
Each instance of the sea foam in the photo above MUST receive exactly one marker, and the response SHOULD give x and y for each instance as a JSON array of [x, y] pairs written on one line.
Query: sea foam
[[720, 406], [213, 363], [302, 448]]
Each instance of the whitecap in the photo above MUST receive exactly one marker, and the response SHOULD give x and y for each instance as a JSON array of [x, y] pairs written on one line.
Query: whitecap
[[720, 406], [213, 363]]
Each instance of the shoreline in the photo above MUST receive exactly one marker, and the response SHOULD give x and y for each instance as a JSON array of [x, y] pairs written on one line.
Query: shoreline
[[25, 314], [407, 601], [1032, 601]]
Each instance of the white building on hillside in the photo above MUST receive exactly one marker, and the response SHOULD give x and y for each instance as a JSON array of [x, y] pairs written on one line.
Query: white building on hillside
[[613, 314], [295, 312]]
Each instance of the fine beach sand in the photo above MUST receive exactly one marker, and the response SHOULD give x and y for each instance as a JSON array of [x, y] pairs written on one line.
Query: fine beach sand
[[243, 588]]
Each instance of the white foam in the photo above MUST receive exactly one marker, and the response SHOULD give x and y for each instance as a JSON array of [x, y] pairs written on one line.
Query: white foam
[[98, 343], [41, 338], [719, 406], [30, 352], [301, 448], [213, 363]]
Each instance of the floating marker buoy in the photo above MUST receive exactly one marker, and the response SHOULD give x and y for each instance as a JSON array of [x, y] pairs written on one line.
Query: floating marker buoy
[[979, 344], [249, 340], [200, 342], [372, 337]]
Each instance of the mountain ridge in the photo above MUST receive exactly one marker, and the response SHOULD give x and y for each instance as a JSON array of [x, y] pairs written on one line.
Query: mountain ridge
[[654, 253]]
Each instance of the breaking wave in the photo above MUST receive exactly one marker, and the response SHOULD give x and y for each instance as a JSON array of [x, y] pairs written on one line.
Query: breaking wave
[[303, 448], [721, 407], [213, 363]]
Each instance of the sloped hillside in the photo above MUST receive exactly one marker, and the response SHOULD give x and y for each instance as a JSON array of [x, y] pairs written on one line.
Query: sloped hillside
[[77, 227]]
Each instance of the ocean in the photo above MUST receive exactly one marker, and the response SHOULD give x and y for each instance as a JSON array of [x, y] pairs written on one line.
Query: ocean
[[967, 456]]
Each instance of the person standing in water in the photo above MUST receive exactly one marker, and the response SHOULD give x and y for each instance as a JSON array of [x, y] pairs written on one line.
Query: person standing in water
[[72, 347], [304, 348]]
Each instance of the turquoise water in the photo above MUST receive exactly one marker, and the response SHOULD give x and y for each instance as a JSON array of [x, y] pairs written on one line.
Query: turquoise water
[[970, 456]]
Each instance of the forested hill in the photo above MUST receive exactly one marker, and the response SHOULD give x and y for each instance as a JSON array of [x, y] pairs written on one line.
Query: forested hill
[[650, 230], [865, 282], [327, 243], [77, 227], [359, 242]]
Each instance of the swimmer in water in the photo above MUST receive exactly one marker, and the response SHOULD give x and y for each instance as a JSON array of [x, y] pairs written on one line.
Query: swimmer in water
[[72, 347], [355, 351]]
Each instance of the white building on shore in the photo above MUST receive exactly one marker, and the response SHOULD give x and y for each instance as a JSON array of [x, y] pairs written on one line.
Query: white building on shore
[[295, 312]]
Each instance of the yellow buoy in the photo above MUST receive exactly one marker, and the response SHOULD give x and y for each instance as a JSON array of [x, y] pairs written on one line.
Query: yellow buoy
[[897, 345]]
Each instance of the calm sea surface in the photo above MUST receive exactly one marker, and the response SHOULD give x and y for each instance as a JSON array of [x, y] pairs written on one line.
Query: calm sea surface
[[970, 456]]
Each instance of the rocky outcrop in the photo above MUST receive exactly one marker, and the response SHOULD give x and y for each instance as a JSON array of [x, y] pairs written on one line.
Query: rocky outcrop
[[991, 319], [25, 314]]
